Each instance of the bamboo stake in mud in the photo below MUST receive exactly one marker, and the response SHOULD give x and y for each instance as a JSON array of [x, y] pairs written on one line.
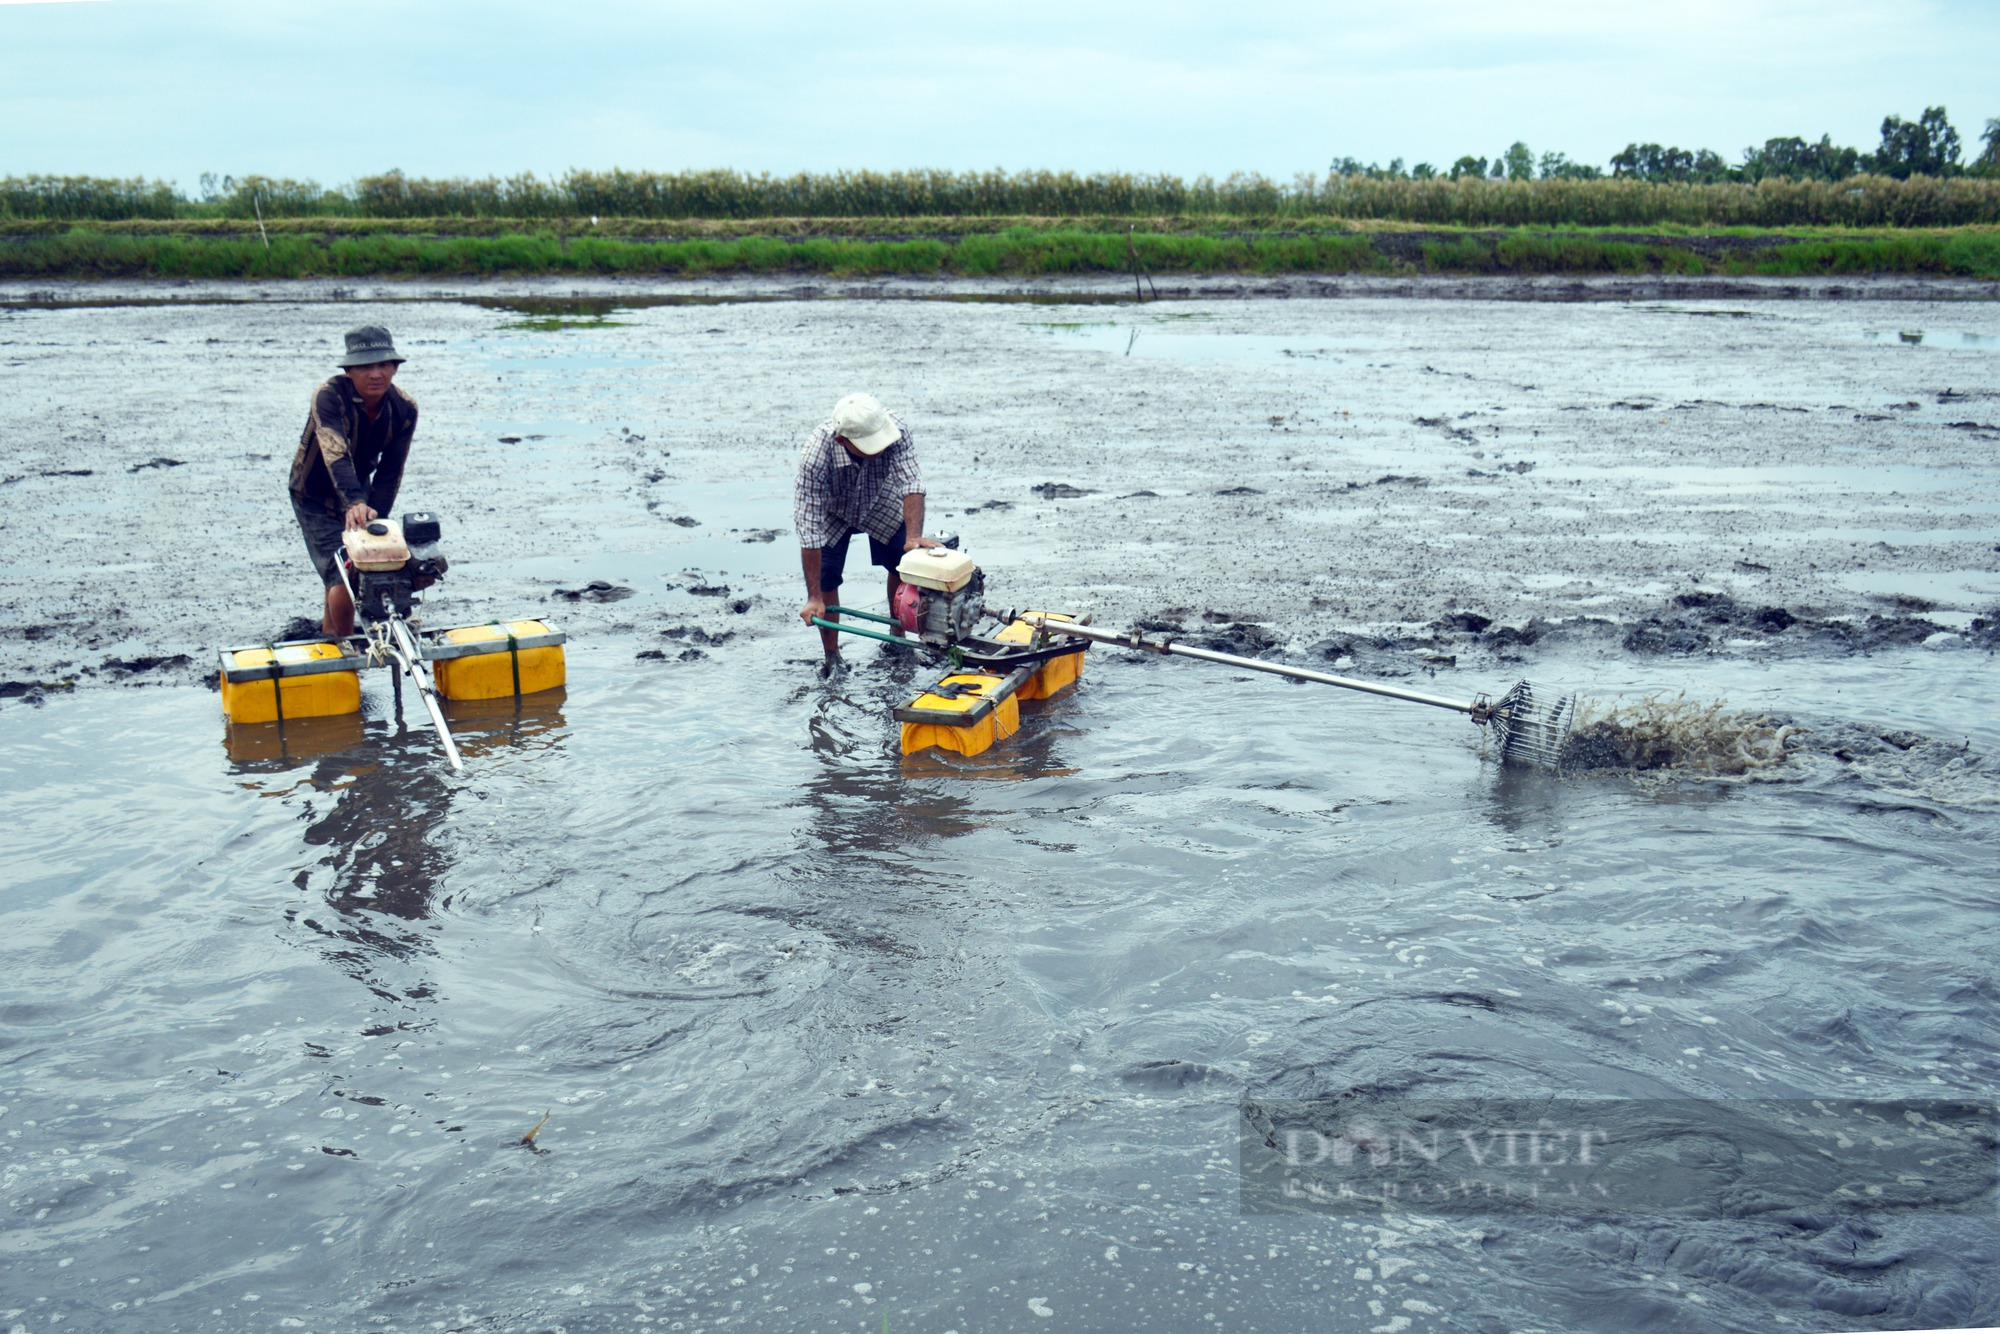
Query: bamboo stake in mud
[[1132, 249]]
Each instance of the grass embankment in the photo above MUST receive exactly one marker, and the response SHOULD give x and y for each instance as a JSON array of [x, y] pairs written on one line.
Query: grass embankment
[[952, 247]]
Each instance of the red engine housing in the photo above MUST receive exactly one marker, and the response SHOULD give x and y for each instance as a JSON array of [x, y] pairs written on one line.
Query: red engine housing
[[904, 606]]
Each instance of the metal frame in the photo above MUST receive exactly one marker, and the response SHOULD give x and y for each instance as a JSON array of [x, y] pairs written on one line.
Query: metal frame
[[438, 651], [1013, 663], [348, 661], [995, 656], [986, 654], [391, 639]]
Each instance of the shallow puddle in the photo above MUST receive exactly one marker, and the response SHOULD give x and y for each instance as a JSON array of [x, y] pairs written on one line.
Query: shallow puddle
[[1931, 338]]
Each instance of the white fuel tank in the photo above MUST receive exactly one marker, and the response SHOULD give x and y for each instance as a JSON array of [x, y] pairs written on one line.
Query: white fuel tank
[[939, 569], [370, 550]]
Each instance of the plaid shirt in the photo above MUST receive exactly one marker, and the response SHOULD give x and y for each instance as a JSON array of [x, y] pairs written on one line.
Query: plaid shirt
[[835, 495]]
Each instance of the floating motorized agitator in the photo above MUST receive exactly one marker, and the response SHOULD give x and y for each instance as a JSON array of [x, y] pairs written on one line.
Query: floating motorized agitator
[[940, 602], [385, 565]]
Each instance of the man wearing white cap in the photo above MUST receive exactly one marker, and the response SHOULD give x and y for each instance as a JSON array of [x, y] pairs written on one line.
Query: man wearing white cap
[[857, 473]]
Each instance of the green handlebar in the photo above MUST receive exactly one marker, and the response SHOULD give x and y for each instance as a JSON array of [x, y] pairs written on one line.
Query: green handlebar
[[875, 616], [825, 624]]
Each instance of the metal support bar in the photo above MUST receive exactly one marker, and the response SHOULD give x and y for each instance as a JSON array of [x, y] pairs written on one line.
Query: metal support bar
[[1132, 639], [405, 648], [439, 651], [395, 640], [271, 671]]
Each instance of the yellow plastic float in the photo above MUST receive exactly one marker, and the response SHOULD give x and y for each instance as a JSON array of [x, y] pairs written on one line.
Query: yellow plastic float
[[269, 683], [965, 712], [1055, 675], [497, 660], [968, 711]]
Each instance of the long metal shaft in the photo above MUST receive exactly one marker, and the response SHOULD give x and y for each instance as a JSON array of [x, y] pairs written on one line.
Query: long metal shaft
[[413, 667], [1132, 639]]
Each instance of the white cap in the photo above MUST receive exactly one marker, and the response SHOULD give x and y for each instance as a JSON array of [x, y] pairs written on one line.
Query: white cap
[[863, 423]]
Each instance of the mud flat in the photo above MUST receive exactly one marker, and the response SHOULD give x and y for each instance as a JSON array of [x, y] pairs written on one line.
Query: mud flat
[[1377, 476]]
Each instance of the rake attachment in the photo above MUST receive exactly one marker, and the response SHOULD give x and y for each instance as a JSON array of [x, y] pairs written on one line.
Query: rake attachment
[[1531, 731]]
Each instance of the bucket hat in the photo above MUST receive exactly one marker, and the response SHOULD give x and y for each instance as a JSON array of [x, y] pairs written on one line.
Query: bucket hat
[[368, 345], [865, 424]]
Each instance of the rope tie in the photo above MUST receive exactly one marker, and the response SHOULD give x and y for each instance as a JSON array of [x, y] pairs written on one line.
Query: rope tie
[[513, 652], [277, 684]]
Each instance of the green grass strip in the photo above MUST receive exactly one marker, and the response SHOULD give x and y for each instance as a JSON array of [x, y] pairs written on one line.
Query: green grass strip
[[1021, 251]]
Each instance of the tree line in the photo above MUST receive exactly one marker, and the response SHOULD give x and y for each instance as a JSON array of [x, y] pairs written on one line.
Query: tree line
[[1926, 146]]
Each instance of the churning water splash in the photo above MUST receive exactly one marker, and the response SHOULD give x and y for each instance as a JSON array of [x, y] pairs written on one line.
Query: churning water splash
[[1668, 736], [1674, 732], [1905, 766]]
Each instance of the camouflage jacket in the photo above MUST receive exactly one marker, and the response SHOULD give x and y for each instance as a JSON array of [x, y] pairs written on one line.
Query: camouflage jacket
[[343, 458]]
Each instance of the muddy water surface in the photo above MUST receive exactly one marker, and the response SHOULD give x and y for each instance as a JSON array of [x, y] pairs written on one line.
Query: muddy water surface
[[826, 1034]]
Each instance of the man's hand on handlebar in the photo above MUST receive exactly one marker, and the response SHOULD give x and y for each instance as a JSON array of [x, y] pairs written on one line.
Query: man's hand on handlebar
[[815, 606]]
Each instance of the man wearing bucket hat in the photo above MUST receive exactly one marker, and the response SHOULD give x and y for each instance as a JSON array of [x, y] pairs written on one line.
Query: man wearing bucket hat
[[857, 473], [350, 458]]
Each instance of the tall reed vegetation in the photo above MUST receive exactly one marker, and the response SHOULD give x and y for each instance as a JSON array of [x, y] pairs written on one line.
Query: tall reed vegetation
[[1471, 201], [88, 198]]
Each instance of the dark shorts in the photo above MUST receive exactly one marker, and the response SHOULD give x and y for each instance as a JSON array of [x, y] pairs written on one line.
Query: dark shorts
[[322, 529], [833, 557]]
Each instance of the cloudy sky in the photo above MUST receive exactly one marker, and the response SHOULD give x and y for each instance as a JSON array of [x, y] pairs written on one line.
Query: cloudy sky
[[174, 88]]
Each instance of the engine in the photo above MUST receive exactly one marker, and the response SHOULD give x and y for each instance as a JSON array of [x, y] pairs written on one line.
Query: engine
[[942, 596], [388, 561]]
